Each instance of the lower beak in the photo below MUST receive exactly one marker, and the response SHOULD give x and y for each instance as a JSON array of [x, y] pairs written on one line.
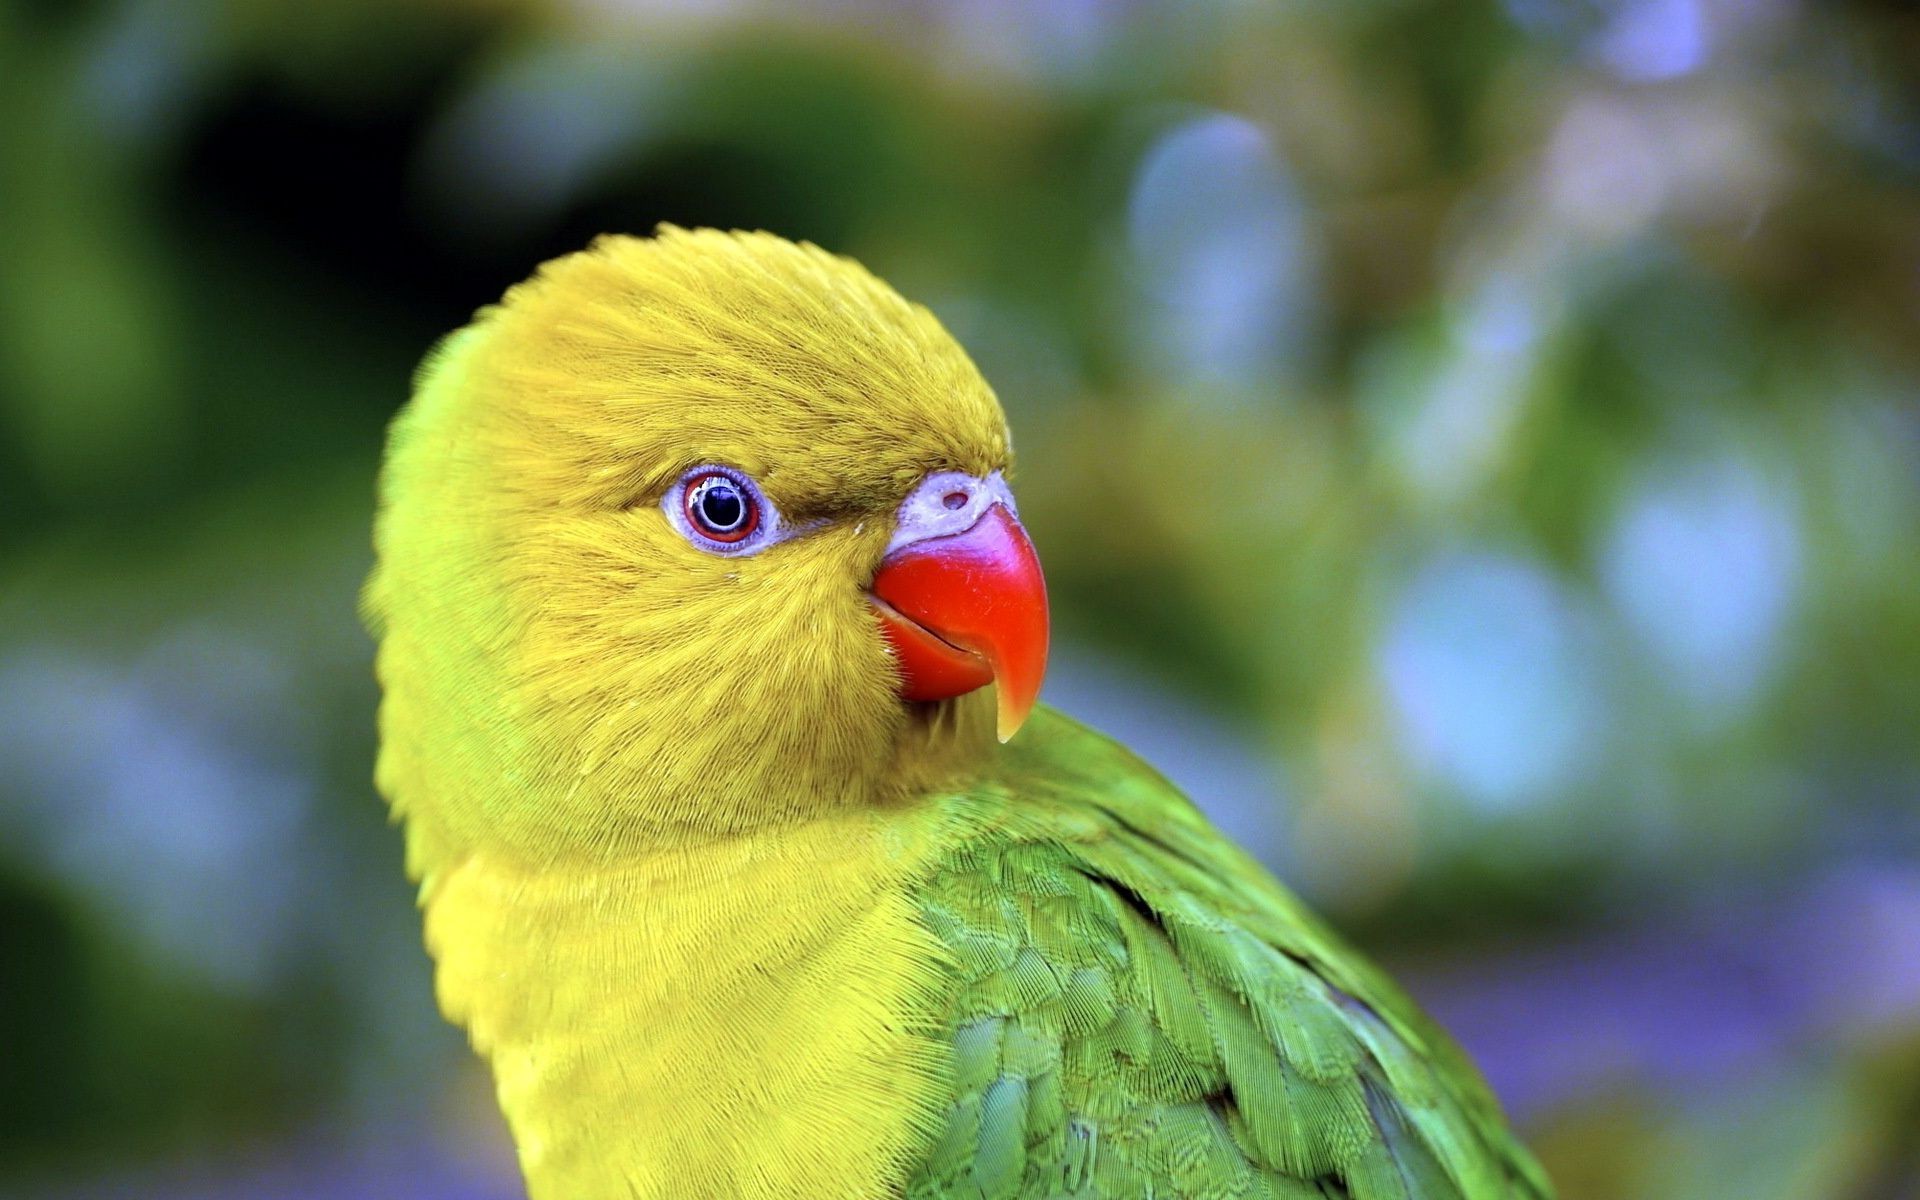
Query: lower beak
[[965, 610]]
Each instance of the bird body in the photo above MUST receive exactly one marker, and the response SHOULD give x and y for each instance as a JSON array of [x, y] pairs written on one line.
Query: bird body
[[694, 556], [695, 1031]]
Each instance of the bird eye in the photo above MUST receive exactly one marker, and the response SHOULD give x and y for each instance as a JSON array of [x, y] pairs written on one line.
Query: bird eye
[[720, 510]]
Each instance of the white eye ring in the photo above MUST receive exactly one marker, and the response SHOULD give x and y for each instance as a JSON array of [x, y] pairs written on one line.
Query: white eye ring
[[722, 511]]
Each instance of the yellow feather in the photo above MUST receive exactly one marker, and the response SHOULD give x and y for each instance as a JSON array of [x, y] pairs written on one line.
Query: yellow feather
[[661, 803], [682, 1026]]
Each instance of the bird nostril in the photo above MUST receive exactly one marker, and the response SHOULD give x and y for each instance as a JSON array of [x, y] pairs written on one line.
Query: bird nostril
[[954, 500]]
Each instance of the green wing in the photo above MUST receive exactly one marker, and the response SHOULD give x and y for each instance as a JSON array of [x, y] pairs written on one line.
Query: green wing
[[1143, 1011]]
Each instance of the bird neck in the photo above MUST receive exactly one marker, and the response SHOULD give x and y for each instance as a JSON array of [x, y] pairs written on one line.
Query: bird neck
[[749, 1018], [528, 785]]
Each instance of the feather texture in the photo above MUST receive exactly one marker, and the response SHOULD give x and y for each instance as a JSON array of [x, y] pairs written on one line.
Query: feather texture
[[729, 919], [1138, 1009]]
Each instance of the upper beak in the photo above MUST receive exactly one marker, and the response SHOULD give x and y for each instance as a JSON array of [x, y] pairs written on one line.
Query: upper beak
[[962, 609]]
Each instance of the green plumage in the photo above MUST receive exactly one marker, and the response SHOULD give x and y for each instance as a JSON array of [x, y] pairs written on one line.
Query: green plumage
[[1142, 1011]]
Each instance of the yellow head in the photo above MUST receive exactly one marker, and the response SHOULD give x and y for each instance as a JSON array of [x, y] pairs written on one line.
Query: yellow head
[[569, 666]]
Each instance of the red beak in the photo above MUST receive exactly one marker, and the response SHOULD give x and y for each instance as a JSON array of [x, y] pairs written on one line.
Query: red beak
[[965, 610]]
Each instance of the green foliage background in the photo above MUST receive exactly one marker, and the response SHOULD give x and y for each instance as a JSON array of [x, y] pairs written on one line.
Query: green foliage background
[[1473, 447]]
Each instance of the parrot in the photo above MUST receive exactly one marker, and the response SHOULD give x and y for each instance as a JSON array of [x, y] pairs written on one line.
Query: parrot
[[709, 640]]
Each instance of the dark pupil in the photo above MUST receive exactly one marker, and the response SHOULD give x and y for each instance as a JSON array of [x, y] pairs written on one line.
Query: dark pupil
[[721, 506]]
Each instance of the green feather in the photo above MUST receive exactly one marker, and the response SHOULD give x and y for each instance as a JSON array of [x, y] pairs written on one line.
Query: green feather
[[1139, 1010]]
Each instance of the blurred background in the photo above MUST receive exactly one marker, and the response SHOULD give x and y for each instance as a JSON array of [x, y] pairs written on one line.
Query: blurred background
[[1473, 444]]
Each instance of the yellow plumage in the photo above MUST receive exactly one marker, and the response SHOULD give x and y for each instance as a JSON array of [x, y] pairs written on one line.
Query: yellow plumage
[[620, 903], [683, 1026]]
